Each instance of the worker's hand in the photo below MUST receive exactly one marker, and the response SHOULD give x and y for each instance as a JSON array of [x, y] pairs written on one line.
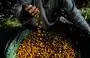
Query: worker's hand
[[33, 10]]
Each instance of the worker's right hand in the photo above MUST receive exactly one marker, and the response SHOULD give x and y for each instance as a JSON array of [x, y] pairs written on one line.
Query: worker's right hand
[[33, 10]]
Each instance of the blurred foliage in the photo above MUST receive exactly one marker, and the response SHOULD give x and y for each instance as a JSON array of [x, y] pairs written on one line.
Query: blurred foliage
[[11, 22], [86, 13]]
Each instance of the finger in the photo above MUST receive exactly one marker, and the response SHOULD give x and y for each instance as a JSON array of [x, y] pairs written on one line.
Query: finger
[[36, 15], [32, 9], [28, 7], [36, 11]]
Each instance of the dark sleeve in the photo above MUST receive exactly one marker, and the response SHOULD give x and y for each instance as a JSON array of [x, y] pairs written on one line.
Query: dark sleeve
[[74, 15], [20, 12]]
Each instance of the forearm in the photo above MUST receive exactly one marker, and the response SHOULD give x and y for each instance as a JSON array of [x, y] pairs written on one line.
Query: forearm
[[75, 15], [80, 21]]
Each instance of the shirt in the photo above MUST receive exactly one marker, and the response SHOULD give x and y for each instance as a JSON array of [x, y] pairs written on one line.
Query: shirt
[[50, 12]]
